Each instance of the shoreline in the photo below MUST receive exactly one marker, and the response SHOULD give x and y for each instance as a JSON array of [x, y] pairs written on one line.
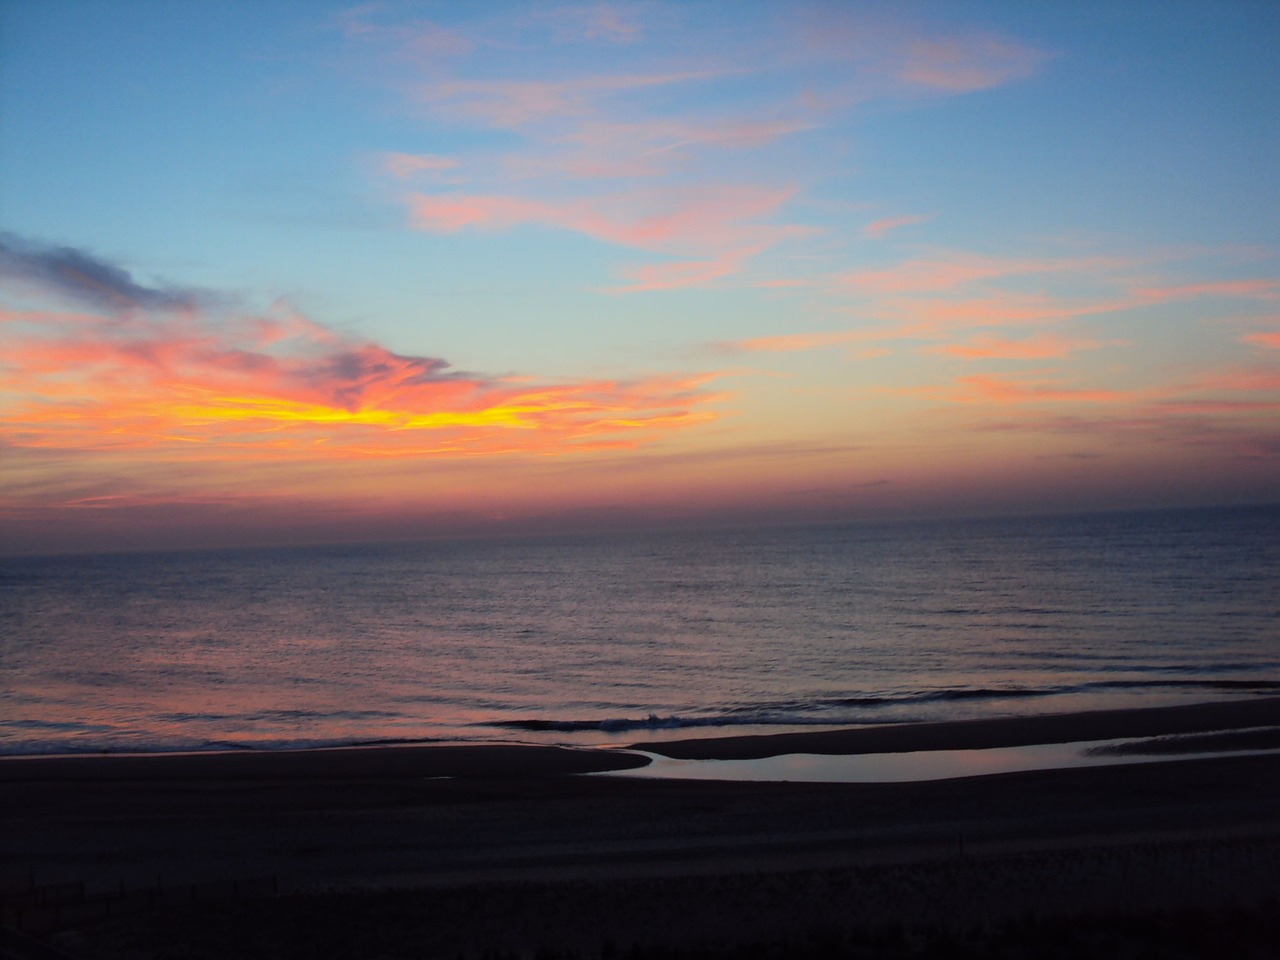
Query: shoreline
[[1037, 729], [519, 850], [466, 760]]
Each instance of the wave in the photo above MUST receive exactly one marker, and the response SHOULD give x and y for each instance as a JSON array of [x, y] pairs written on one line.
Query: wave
[[835, 711]]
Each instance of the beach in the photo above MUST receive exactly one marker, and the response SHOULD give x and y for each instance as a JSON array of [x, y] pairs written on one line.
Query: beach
[[452, 850]]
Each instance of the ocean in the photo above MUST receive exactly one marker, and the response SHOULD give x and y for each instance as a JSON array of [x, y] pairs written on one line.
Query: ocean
[[623, 638]]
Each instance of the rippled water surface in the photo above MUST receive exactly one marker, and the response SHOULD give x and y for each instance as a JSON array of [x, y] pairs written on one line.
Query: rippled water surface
[[612, 639]]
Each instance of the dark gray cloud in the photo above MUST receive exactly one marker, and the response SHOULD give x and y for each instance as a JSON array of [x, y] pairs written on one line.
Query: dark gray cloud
[[89, 280]]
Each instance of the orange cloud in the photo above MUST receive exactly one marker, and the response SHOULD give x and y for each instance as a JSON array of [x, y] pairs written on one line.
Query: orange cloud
[[1271, 340], [921, 317], [1005, 390], [1042, 347], [793, 342], [186, 384]]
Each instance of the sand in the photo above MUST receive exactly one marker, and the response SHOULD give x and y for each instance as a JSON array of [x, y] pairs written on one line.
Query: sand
[[447, 851], [981, 734]]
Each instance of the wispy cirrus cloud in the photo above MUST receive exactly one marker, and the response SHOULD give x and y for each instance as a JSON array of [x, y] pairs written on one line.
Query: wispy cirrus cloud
[[796, 342], [1258, 288], [913, 57], [719, 228], [1043, 346], [686, 273], [661, 106], [517, 104], [617, 23], [953, 269], [1024, 390], [883, 227], [1266, 339], [405, 166], [964, 64]]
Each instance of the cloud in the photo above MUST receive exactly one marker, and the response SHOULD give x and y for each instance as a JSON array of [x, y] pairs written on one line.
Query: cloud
[[653, 105], [1008, 390], [719, 227], [613, 149], [611, 22], [1268, 339], [969, 63], [664, 221], [1039, 347], [931, 317], [421, 39], [793, 342], [880, 228], [1262, 288], [77, 275], [950, 271], [198, 384], [404, 166], [1239, 380], [907, 58], [517, 104], [695, 273]]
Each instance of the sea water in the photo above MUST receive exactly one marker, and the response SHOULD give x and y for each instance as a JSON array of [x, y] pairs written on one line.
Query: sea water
[[623, 638]]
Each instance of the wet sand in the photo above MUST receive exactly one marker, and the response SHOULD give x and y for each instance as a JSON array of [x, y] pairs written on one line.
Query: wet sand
[[984, 734], [442, 851]]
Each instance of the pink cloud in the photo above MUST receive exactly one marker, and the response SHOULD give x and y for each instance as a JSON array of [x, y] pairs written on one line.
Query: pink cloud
[[1005, 390], [879, 228], [647, 148], [879, 55], [1265, 288], [405, 165], [966, 64], [1240, 380], [696, 273], [448, 213], [615, 23], [794, 342], [674, 220], [950, 271], [718, 226], [419, 39], [1041, 347], [518, 103], [922, 317], [1271, 340], [195, 386]]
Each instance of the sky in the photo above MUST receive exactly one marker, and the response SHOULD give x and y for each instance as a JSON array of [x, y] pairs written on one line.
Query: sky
[[300, 271]]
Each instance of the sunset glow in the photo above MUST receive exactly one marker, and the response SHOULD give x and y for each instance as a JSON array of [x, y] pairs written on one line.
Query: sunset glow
[[323, 271]]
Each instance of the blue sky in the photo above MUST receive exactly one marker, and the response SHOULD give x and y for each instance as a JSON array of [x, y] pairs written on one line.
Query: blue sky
[[826, 261]]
